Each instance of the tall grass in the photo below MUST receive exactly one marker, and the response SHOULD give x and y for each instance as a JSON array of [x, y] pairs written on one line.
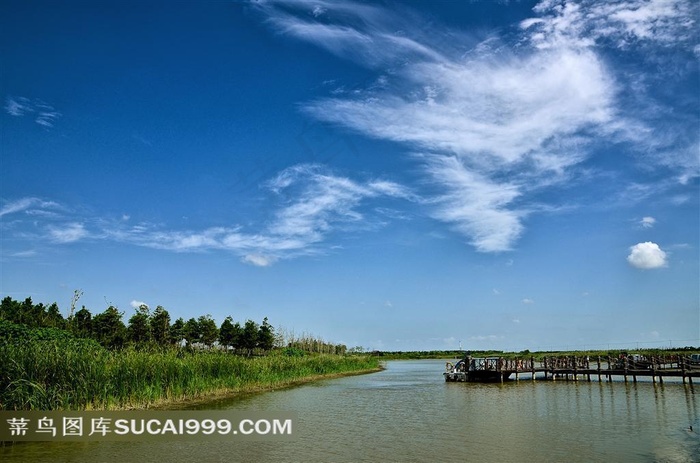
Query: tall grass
[[78, 374]]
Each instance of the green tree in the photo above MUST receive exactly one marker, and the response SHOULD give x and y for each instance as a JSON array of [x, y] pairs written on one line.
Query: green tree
[[177, 332], [53, 318], [81, 323], [33, 314], [227, 334], [8, 309], [249, 339], [237, 336], [25, 313], [266, 335], [208, 330], [108, 328], [191, 331], [160, 326], [139, 331]]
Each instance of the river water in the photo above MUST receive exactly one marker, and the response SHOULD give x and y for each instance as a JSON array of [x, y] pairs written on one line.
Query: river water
[[407, 413]]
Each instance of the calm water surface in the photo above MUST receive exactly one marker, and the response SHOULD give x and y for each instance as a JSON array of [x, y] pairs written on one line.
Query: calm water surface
[[408, 413]]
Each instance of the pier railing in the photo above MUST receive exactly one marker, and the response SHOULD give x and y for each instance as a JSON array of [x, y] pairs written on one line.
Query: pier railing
[[656, 366]]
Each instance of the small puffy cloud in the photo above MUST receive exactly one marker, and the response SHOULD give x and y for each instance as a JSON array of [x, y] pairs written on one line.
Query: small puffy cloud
[[647, 222], [258, 260], [647, 255], [68, 233], [528, 301], [136, 304]]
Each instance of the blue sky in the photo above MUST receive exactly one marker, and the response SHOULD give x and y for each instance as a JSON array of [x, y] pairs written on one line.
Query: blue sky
[[397, 176]]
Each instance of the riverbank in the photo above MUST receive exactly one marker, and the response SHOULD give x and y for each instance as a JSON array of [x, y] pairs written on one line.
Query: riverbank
[[226, 395], [77, 375]]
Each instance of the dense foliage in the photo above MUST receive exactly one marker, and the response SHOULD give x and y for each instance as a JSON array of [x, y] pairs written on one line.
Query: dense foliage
[[83, 361], [64, 372], [145, 328]]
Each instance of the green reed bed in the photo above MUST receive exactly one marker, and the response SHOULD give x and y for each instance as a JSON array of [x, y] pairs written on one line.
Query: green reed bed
[[80, 374]]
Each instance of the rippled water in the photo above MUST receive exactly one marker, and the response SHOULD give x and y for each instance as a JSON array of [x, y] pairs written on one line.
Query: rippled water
[[408, 413]]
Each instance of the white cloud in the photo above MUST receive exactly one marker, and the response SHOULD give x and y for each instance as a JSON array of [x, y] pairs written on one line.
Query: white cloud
[[475, 206], [24, 204], [584, 23], [68, 233], [322, 202], [493, 123], [647, 255], [480, 119], [17, 106], [528, 301], [23, 254], [45, 115], [136, 304], [258, 260], [315, 204], [318, 11], [351, 36], [647, 222], [490, 113]]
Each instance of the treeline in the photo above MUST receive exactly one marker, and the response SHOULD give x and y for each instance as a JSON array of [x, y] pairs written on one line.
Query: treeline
[[51, 369], [148, 328], [86, 361]]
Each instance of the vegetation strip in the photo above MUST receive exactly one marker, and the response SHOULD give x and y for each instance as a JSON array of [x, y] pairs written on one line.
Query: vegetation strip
[[70, 373], [84, 362]]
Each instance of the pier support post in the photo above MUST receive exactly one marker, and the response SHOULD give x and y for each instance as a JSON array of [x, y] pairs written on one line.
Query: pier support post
[[681, 363]]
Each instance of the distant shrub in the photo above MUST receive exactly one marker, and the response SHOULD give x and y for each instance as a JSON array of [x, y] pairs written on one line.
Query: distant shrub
[[293, 352]]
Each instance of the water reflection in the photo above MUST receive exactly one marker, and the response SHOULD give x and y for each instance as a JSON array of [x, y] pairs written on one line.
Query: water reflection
[[408, 413]]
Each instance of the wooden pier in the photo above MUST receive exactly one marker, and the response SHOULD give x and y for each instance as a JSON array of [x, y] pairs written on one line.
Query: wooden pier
[[573, 368]]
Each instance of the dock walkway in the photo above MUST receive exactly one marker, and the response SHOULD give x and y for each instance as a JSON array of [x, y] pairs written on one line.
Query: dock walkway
[[573, 368]]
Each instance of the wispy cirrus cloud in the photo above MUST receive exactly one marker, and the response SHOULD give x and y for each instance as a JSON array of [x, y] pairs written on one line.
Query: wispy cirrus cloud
[[43, 113], [314, 203], [623, 22], [68, 233], [495, 120], [360, 31], [29, 205], [474, 205]]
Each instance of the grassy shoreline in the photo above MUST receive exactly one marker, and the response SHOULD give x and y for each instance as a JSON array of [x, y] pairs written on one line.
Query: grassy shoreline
[[225, 395], [77, 375]]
